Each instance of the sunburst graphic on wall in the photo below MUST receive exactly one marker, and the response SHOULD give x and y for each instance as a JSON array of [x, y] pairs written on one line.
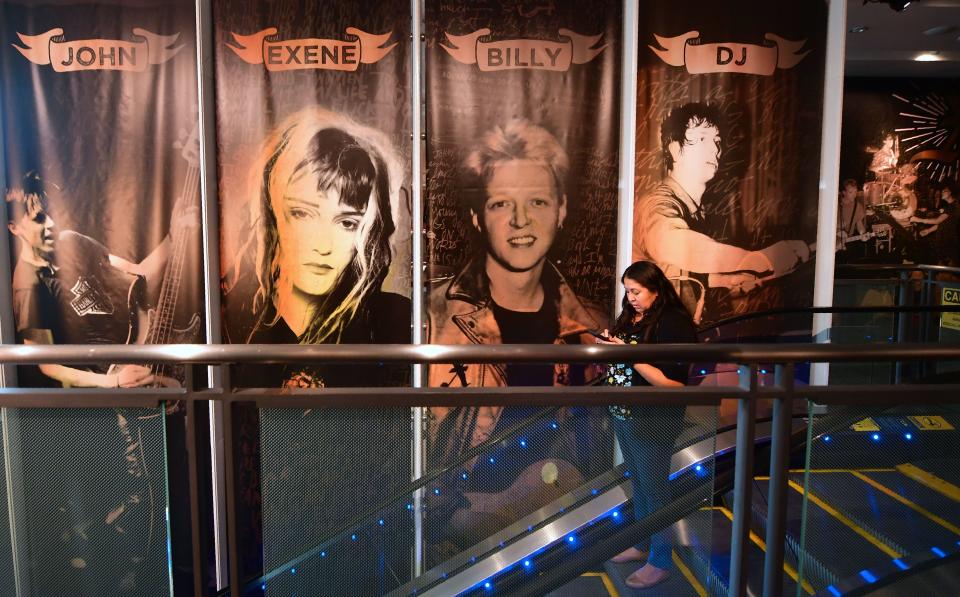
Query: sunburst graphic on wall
[[930, 135]]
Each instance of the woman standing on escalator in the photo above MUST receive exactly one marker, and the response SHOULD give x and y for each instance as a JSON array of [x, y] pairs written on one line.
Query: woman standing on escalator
[[652, 313]]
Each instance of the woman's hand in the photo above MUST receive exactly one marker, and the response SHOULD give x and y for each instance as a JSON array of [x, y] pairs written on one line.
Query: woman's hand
[[609, 339]]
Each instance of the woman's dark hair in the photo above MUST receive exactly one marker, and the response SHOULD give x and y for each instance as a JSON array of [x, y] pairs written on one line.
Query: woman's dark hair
[[651, 277], [358, 162]]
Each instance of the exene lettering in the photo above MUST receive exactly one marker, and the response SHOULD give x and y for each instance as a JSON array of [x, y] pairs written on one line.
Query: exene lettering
[[101, 56], [521, 57], [281, 54]]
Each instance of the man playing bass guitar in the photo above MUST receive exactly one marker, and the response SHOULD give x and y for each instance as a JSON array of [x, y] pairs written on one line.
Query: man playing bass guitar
[[69, 289]]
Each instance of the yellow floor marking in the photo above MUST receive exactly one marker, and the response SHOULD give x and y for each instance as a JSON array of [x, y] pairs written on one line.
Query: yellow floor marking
[[950, 527], [689, 575], [867, 424], [843, 470], [849, 523], [791, 572], [931, 423], [932, 481], [607, 583]]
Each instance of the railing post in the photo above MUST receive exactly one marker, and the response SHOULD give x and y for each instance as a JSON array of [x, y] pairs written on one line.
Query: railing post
[[233, 551], [777, 488], [743, 480], [900, 322], [193, 455]]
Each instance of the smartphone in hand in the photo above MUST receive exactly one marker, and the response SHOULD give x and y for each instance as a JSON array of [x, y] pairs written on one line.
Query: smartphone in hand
[[599, 334]]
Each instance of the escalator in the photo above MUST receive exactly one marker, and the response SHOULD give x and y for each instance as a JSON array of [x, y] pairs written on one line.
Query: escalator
[[877, 505], [850, 526]]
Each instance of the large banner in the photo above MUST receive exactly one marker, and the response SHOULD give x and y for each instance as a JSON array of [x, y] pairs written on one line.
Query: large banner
[[520, 229], [899, 172], [729, 102], [313, 138], [98, 122]]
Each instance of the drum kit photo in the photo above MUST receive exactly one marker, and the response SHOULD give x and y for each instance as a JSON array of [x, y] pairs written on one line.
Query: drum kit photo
[[890, 196]]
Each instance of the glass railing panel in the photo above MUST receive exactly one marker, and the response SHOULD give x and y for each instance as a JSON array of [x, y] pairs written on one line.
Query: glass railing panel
[[322, 492], [881, 493], [563, 461], [945, 327], [337, 510], [85, 503], [8, 581], [538, 456]]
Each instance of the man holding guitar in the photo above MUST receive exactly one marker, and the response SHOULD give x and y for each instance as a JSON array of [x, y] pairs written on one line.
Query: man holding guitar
[[69, 289], [669, 221]]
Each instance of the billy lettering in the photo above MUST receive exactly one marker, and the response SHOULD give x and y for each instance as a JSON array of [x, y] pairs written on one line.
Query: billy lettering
[[523, 57]]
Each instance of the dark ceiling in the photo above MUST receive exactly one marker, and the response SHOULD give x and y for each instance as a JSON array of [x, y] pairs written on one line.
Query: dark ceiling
[[892, 40]]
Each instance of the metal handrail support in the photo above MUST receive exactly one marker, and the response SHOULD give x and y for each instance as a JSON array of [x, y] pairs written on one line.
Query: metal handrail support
[[903, 291], [747, 394], [197, 536], [230, 486], [777, 487], [743, 479]]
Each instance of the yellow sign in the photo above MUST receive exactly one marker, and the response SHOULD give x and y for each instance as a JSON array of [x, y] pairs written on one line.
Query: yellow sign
[[950, 296], [867, 424], [931, 423]]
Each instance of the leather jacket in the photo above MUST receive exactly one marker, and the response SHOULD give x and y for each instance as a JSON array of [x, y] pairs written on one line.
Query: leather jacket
[[460, 312]]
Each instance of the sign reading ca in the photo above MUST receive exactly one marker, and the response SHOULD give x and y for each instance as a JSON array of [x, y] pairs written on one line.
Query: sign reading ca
[[950, 296]]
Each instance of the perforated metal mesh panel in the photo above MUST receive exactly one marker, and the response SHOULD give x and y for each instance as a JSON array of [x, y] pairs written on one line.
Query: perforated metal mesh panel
[[323, 474], [90, 501], [882, 493]]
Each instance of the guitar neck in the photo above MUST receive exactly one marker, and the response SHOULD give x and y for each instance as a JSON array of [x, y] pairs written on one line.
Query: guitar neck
[[170, 288]]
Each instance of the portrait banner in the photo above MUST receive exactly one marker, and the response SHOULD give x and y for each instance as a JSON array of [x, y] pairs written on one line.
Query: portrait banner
[[314, 153], [899, 172], [101, 187], [729, 112], [520, 225]]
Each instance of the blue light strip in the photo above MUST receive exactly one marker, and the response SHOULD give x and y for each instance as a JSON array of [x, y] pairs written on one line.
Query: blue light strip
[[938, 551], [867, 576], [901, 564], [833, 591]]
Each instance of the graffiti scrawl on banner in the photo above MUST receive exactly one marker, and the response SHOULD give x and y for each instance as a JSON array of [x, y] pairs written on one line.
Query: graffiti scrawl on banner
[[296, 54], [99, 54], [533, 54], [733, 57]]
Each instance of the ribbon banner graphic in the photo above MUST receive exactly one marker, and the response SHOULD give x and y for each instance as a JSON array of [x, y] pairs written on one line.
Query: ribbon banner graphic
[[533, 54], [98, 54], [734, 57], [298, 54]]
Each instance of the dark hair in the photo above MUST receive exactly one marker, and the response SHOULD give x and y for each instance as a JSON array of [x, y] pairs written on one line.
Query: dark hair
[[681, 118], [849, 182], [346, 156], [27, 200], [651, 277]]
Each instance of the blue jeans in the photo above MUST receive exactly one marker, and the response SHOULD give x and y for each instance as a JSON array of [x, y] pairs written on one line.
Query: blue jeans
[[647, 444]]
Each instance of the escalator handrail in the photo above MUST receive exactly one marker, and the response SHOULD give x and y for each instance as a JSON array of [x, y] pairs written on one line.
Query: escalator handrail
[[813, 310]]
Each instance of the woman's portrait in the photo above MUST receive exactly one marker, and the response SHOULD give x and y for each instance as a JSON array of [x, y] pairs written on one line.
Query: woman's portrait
[[318, 246]]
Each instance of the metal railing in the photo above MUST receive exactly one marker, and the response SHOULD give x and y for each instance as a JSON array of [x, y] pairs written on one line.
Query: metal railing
[[750, 359]]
